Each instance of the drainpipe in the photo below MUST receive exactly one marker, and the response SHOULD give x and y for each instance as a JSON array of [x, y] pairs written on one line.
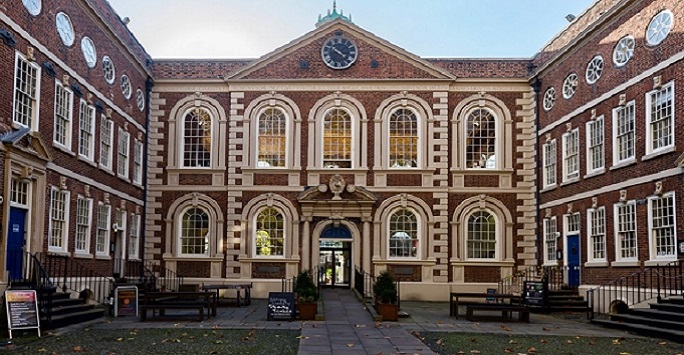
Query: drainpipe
[[536, 86], [149, 83]]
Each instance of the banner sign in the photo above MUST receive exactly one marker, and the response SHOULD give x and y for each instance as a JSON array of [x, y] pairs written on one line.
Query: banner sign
[[22, 310]]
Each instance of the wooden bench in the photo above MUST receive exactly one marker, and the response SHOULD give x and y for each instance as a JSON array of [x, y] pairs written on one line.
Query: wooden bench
[[161, 301], [505, 309]]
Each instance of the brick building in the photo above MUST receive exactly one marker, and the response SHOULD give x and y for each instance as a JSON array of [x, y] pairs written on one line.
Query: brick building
[[340, 151]]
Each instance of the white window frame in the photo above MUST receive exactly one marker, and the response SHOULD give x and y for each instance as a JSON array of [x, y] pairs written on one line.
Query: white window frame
[[123, 154], [408, 163], [64, 118], [596, 129], [353, 160], [620, 223], [134, 237], [83, 230], [187, 164], [550, 161], [137, 162], [629, 112], [652, 243], [34, 104], [262, 164], [550, 231], [570, 157], [86, 131], [103, 235], [418, 238], [255, 229], [63, 236], [597, 215], [497, 236], [106, 142], [650, 150]]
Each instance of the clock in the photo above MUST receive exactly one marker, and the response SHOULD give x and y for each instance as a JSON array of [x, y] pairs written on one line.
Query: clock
[[33, 6], [65, 29], [89, 53], [339, 52]]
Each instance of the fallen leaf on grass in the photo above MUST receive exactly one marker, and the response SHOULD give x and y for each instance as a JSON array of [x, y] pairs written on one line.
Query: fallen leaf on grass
[[532, 350], [508, 350], [568, 341], [475, 352], [505, 328], [302, 337], [662, 343], [625, 354], [512, 341], [543, 341], [78, 349], [439, 341], [119, 339]]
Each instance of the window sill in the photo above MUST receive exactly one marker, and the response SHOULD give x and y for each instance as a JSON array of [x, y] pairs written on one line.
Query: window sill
[[60, 252], [549, 188], [483, 263], [551, 263], [87, 161], [661, 262], [63, 148], [403, 171], [124, 178], [83, 255], [194, 170], [480, 171], [192, 258], [596, 264], [594, 173], [103, 257], [271, 170], [653, 155], [106, 169], [623, 164], [626, 263], [336, 170], [268, 260], [570, 181]]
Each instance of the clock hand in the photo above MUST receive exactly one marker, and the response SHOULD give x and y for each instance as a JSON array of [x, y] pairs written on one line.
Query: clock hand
[[338, 51]]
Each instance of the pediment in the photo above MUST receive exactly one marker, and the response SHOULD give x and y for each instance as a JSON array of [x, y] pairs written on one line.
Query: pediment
[[337, 190], [377, 59], [23, 140]]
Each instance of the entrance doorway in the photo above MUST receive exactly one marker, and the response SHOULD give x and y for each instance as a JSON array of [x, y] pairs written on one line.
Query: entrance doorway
[[573, 261], [15, 243], [334, 264]]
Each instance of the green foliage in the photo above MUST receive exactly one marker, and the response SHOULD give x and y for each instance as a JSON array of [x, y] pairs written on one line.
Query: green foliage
[[385, 287], [305, 287]]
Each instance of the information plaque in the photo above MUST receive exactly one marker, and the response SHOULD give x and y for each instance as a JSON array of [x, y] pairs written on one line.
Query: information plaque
[[22, 310], [535, 293], [126, 301], [281, 306]]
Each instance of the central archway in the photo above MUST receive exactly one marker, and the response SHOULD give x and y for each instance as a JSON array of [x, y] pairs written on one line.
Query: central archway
[[335, 257]]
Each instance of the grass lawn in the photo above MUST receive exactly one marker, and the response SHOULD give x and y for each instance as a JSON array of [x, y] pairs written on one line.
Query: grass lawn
[[486, 344], [163, 341]]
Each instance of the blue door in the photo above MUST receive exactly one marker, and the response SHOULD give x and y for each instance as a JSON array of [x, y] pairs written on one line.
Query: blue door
[[15, 242], [573, 254]]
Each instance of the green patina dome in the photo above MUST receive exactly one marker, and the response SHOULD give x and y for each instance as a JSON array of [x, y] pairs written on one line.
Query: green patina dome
[[332, 16]]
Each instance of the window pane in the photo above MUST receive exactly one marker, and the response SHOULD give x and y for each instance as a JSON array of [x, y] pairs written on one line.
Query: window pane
[[481, 140], [197, 139], [270, 231], [481, 236], [403, 139], [272, 138], [195, 232], [403, 238], [337, 139]]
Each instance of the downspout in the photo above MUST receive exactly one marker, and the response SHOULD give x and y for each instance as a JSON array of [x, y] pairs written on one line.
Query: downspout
[[149, 83], [536, 86]]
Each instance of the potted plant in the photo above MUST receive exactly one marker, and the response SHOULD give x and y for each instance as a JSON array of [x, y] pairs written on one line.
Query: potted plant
[[307, 295], [385, 290]]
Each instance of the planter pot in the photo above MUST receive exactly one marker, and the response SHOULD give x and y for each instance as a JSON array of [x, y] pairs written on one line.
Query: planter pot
[[307, 311], [388, 311]]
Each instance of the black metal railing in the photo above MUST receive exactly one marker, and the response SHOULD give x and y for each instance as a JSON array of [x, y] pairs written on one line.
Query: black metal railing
[[68, 274], [29, 273], [288, 285], [553, 275], [363, 284], [152, 275], [655, 282]]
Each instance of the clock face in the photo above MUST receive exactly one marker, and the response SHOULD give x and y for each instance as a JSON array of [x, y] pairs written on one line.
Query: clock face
[[33, 6], [65, 29], [339, 52], [88, 49]]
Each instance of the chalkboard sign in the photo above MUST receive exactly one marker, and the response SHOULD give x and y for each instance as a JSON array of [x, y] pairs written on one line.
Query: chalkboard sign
[[22, 310], [126, 302], [535, 293], [281, 306]]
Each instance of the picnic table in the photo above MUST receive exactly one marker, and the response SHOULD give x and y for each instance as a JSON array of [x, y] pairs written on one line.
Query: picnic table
[[246, 299], [500, 301]]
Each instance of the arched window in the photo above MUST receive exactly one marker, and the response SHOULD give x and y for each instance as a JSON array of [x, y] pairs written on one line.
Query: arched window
[[194, 232], [270, 233], [403, 139], [481, 140], [481, 242], [197, 139], [337, 139], [272, 141], [403, 234]]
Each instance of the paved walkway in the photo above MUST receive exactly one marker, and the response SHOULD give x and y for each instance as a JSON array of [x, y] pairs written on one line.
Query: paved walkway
[[349, 329]]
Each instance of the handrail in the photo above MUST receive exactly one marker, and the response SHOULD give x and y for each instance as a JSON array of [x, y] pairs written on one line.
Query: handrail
[[69, 274], [553, 275], [32, 276], [363, 283], [651, 283], [153, 274]]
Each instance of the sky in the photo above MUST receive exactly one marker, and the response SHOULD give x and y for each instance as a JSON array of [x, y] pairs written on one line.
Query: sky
[[427, 28]]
